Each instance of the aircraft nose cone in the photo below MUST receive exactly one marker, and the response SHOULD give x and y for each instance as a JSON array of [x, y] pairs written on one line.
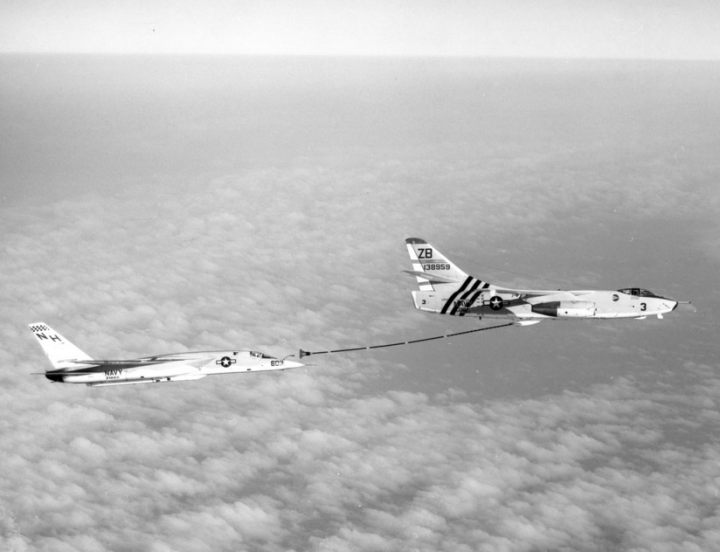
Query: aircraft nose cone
[[292, 364], [53, 376]]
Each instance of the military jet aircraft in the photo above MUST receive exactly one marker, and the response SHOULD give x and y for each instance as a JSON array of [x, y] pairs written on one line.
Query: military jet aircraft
[[446, 289], [71, 365]]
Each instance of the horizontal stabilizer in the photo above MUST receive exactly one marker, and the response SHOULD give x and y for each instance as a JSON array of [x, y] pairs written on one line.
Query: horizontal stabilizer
[[432, 278]]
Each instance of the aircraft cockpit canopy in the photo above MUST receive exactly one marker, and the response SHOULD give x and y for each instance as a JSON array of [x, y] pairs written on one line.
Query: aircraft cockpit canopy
[[638, 292], [257, 354]]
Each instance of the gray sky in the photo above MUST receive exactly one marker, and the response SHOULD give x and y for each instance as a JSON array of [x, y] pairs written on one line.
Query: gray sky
[[157, 205], [665, 29]]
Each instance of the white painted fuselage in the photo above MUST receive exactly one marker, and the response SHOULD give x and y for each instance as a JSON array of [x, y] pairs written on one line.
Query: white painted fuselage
[[446, 289], [176, 367], [71, 365], [543, 305]]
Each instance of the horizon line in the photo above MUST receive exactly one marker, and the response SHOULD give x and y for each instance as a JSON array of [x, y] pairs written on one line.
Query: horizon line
[[356, 56]]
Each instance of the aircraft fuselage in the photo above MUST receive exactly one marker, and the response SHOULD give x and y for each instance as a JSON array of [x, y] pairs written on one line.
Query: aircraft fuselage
[[178, 367], [544, 305]]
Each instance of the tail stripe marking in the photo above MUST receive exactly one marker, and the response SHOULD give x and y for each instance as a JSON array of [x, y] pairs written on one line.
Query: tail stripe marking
[[461, 301], [449, 302], [471, 302]]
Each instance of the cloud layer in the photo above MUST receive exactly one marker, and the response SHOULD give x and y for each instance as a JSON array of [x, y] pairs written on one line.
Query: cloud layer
[[300, 461]]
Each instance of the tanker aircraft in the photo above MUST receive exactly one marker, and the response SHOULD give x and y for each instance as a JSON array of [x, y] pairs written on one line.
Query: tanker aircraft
[[446, 289], [71, 365]]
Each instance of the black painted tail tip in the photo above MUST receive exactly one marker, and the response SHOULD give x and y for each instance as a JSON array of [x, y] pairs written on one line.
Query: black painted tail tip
[[415, 240]]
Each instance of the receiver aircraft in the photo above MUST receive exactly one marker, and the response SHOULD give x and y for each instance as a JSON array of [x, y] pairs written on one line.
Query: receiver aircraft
[[71, 365], [446, 289]]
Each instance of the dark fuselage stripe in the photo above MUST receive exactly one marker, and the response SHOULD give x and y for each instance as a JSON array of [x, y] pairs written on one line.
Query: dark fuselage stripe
[[465, 296], [471, 302], [449, 302]]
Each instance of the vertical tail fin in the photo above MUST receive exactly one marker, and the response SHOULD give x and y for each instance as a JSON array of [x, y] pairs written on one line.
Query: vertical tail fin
[[444, 287], [59, 350], [432, 267]]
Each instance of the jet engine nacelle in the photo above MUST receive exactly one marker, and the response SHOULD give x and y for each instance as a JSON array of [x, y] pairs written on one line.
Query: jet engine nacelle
[[565, 309]]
